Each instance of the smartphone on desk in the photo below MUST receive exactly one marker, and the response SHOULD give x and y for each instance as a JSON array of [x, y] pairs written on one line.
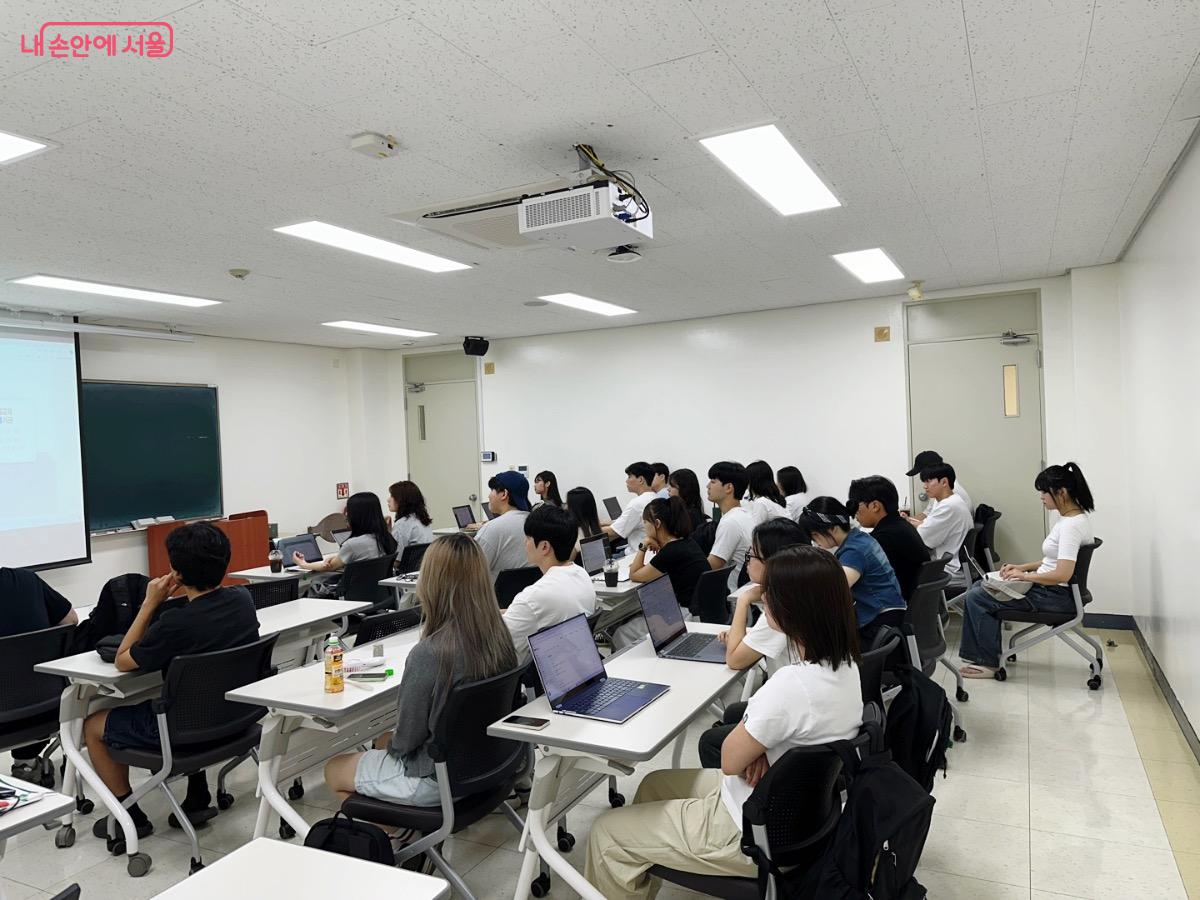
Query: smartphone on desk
[[527, 722], [368, 676]]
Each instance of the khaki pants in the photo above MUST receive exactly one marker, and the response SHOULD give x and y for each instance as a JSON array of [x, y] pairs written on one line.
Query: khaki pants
[[677, 820]]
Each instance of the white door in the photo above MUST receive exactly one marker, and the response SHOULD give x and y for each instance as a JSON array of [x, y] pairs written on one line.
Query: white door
[[978, 402], [443, 447]]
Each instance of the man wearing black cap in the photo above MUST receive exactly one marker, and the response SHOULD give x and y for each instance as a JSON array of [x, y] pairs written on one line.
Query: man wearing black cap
[[927, 459], [502, 540]]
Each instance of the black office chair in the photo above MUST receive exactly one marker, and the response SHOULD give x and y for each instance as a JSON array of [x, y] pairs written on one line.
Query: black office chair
[[927, 620], [360, 583], [1065, 626], [985, 546], [377, 627], [197, 728], [871, 665], [711, 600], [967, 566], [71, 893], [479, 770], [272, 593], [410, 560], [511, 582]]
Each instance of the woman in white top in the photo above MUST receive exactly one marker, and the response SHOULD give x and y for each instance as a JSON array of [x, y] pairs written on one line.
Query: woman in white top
[[794, 490], [765, 500], [691, 819], [1063, 489], [409, 519]]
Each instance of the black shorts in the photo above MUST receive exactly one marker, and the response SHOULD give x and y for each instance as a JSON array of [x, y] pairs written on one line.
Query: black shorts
[[132, 727]]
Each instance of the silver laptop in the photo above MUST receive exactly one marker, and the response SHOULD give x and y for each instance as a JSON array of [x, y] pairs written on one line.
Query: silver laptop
[[592, 554], [668, 630], [304, 544]]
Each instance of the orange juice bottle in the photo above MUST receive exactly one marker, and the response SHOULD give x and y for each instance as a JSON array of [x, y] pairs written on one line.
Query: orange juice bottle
[[334, 681]]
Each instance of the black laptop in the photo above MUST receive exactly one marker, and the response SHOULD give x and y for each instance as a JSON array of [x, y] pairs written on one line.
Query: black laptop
[[613, 507], [668, 630]]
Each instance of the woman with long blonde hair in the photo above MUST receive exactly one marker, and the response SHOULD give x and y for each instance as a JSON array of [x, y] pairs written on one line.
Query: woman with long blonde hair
[[463, 639]]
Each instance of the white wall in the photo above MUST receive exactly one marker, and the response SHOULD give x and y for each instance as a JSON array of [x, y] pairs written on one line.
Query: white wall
[[1159, 287]]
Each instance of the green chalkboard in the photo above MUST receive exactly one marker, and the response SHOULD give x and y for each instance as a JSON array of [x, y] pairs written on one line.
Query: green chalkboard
[[150, 450]]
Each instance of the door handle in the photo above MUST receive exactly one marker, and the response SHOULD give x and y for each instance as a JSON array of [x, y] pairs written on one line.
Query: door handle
[[473, 497]]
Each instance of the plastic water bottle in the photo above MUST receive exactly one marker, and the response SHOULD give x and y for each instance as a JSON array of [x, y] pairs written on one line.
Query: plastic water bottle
[[335, 681]]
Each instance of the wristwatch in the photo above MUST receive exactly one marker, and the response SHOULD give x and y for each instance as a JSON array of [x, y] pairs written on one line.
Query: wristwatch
[[641, 548]]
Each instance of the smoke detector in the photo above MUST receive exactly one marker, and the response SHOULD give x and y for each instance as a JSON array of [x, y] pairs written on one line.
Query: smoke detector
[[626, 253], [380, 146], [915, 293]]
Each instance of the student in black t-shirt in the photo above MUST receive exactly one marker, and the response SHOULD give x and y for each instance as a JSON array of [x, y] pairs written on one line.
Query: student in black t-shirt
[[667, 524], [876, 505], [214, 618]]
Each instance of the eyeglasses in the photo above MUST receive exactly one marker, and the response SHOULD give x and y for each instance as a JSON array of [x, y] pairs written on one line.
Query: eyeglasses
[[750, 554]]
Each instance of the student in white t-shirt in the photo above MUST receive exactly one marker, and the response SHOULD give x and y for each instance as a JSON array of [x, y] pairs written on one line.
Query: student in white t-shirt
[[766, 501], [691, 819], [1064, 490], [947, 522], [563, 591], [924, 460], [628, 524], [658, 482], [727, 482], [794, 490]]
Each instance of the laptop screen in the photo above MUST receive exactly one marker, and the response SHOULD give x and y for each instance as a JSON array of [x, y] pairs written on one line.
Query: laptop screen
[[664, 619], [464, 516], [566, 656], [304, 544], [340, 536], [487, 509], [613, 507], [592, 555]]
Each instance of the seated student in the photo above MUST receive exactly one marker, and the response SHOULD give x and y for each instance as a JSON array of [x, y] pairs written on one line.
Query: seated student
[[369, 539], [502, 539], [563, 591], [875, 503], [872, 582], [766, 502], [545, 485], [684, 484], [793, 488], [924, 460], [947, 522], [29, 604], [658, 483], [581, 504], [1064, 490], [727, 482], [411, 523], [628, 524], [462, 640], [214, 618], [691, 819]]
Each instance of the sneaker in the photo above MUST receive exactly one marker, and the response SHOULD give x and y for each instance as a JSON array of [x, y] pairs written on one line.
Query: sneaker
[[100, 829], [198, 817]]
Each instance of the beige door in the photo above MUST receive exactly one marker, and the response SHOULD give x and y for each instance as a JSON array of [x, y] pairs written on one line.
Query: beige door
[[978, 401], [443, 446]]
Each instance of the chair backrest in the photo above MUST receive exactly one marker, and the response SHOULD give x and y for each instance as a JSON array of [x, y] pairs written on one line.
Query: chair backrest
[[377, 627], [987, 531], [25, 694], [1082, 565], [966, 553], [272, 593], [329, 524], [360, 580], [476, 762], [870, 670], [252, 514], [511, 582], [195, 687], [711, 601], [410, 560], [924, 611]]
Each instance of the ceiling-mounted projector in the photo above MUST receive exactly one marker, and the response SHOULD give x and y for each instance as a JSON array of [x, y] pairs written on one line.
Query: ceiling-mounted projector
[[596, 216]]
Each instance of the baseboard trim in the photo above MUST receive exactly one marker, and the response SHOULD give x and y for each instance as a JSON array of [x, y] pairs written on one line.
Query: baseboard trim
[[1189, 733], [1118, 621]]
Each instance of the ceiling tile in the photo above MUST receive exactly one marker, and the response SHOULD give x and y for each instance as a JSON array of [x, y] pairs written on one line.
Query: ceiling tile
[[704, 93]]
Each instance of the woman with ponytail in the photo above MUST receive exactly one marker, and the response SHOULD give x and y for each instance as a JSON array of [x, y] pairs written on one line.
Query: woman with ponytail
[[1064, 490]]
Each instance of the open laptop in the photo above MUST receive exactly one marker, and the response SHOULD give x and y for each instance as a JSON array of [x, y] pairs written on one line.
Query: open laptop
[[592, 554], [613, 507], [668, 631], [304, 544], [574, 678], [464, 516], [488, 510], [342, 536]]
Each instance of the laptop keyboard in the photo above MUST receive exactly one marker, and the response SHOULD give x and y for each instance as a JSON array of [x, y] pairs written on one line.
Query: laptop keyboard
[[600, 695], [692, 645]]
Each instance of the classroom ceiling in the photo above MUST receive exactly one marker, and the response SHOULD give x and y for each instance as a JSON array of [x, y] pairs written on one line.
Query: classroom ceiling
[[976, 141]]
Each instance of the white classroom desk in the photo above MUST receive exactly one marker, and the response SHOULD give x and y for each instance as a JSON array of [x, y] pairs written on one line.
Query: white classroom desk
[[305, 726], [266, 868], [577, 754], [400, 584], [50, 807], [264, 573], [94, 683]]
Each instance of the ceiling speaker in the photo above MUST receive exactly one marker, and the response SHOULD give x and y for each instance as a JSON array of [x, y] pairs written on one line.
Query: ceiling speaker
[[475, 346]]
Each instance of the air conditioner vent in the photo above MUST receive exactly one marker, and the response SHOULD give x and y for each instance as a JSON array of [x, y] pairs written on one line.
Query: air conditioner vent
[[570, 207]]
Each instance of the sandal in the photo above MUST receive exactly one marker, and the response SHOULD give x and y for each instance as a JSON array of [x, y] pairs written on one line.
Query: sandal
[[976, 671]]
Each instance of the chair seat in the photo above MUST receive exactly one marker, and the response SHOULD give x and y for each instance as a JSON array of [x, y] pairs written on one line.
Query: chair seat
[[27, 731], [728, 886], [426, 819], [1034, 617], [190, 758]]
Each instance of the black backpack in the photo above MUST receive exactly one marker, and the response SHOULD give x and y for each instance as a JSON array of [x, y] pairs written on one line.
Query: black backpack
[[114, 612], [362, 840], [919, 724], [878, 840], [705, 536]]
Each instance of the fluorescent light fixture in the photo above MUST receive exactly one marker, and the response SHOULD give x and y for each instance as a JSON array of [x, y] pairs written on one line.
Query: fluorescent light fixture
[[379, 329], [764, 160], [345, 239], [112, 290], [31, 325], [869, 266], [587, 304], [14, 147]]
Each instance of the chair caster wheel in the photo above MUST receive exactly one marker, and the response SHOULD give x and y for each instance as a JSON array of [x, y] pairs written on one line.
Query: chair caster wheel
[[116, 846], [84, 805], [286, 831], [615, 799], [195, 867], [1094, 683], [224, 800], [1012, 657], [960, 736], [1001, 674], [138, 865], [961, 696], [296, 791], [566, 841], [65, 837], [540, 886]]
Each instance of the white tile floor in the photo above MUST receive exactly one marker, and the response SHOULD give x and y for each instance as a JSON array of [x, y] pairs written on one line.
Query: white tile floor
[[1048, 798]]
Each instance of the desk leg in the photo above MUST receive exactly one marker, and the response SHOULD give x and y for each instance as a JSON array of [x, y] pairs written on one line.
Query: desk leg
[[3, 842], [547, 777], [677, 753], [272, 749]]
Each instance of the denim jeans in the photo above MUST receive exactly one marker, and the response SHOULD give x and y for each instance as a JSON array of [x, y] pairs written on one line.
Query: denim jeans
[[981, 628]]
